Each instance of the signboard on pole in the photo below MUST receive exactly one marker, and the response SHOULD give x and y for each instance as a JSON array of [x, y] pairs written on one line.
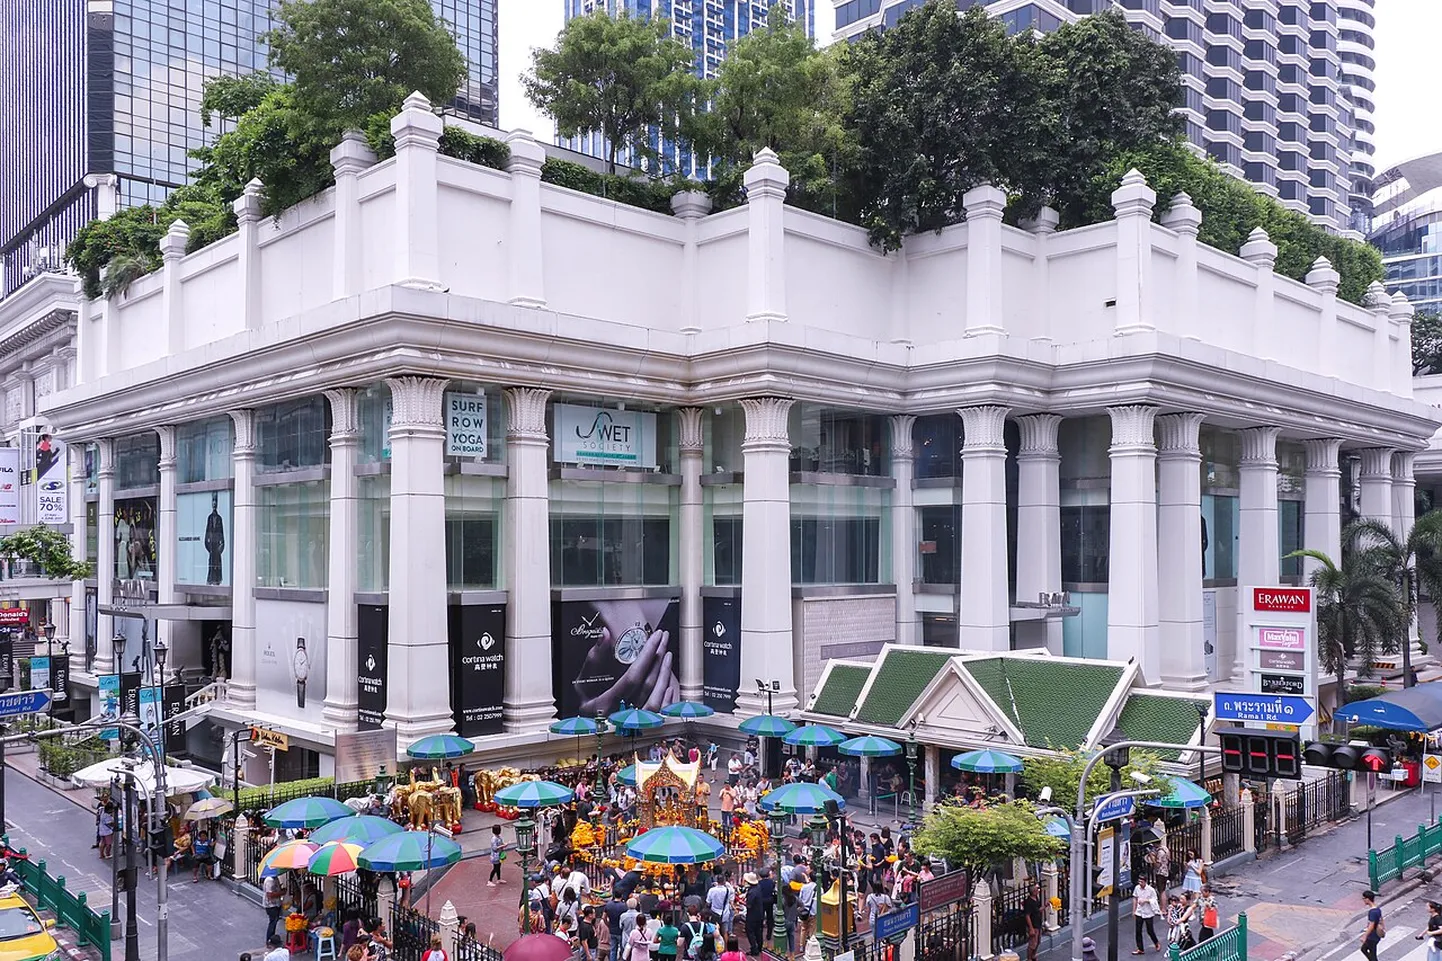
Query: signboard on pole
[[1432, 768], [108, 688], [1109, 808], [1262, 708], [40, 672], [941, 891], [1279, 626], [892, 923], [17, 703]]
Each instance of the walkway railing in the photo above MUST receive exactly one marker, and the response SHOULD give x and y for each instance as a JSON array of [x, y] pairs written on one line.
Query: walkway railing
[[1389, 863], [71, 910], [1228, 945]]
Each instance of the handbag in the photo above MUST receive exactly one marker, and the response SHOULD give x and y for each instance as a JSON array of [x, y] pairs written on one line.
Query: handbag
[[1209, 917]]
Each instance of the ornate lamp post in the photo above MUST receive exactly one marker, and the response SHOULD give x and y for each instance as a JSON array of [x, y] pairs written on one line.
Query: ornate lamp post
[[49, 630], [911, 780], [601, 728], [525, 847], [777, 819]]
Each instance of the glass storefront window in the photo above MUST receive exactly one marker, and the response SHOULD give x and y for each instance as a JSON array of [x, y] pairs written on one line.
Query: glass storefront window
[[292, 534], [936, 441], [840, 534], [92, 531], [1083, 443], [939, 534], [473, 532], [373, 411], [1289, 522], [137, 461], [1086, 531], [292, 435], [940, 630], [607, 534], [202, 451], [826, 440], [725, 433], [723, 518], [1221, 455], [1221, 526], [373, 529]]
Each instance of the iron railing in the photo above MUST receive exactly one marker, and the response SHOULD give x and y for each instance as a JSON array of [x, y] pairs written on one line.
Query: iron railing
[[1228, 945], [411, 933], [1008, 919], [353, 896], [470, 949], [1227, 837], [1182, 839], [948, 935]]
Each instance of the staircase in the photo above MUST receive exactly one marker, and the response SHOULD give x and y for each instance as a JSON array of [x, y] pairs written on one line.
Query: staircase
[[198, 704]]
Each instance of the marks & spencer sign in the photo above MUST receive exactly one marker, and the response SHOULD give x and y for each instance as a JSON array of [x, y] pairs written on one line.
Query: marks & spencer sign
[[601, 435]]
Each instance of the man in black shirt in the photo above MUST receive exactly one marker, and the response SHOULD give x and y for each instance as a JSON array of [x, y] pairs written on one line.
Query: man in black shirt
[[586, 934], [1031, 910], [613, 910], [767, 890]]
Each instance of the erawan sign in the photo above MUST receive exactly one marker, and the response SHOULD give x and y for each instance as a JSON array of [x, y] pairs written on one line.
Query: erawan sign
[[601, 435]]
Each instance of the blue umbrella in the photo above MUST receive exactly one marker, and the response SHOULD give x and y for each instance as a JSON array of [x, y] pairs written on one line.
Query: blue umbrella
[[1056, 827], [438, 746], [687, 710], [869, 746], [627, 775], [575, 725], [801, 797], [534, 794], [306, 812], [363, 829], [410, 851], [634, 719], [815, 735], [987, 762], [675, 845], [767, 725], [1182, 794]]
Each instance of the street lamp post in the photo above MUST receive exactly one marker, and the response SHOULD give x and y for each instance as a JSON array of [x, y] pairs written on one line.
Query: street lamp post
[[601, 728], [778, 819], [49, 630], [834, 815], [1116, 759], [525, 847], [158, 812], [911, 780]]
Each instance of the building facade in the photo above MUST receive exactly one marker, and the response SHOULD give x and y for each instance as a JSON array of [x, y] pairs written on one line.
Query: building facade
[[469, 480], [1266, 84], [1356, 19], [1407, 229], [104, 105]]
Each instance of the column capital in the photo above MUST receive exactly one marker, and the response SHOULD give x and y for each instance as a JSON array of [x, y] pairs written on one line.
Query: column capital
[[902, 445], [1377, 462], [1322, 453], [1180, 435], [692, 436], [1259, 446], [1402, 464], [416, 402], [983, 429], [167, 448], [105, 460], [526, 413], [1133, 428], [244, 421], [1039, 437], [766, 423], [344, 415]]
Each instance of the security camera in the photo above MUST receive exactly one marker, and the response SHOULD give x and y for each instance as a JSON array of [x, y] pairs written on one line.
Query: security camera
[[1141, 778], [1046, 794]]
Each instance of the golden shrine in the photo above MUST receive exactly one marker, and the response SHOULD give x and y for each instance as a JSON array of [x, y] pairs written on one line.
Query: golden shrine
[[666, 794]]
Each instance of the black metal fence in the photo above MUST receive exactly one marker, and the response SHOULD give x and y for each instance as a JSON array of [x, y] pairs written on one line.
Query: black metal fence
[[469, 949], [1262, 827], [948, 935], [411, 933], [255, 852], [1294, 814], [352, 895], [1182, 840], [1008, 918], [1227, 837]]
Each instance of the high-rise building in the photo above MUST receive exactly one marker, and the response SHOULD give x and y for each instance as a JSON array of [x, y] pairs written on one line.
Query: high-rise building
[[1407, 228], [1267, 83], [708, 27], [102, 104], [1355, 22]]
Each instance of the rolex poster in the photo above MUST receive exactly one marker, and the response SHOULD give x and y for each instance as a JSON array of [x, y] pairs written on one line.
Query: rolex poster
[[720, 652], [372, 629], [478, 668], [608, 653]]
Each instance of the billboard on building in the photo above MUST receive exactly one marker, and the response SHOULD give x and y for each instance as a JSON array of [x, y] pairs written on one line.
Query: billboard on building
[[135, 540], [601, 435], [52, 490], [372, 631], [202, 534], [290, 640], [478, 668], [9, 485], [465, 425], [606, 653], [720, 652]]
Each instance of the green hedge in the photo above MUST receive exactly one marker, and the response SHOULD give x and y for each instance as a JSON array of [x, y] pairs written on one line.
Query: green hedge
[[639, 191], [60, 760], [252, 798]]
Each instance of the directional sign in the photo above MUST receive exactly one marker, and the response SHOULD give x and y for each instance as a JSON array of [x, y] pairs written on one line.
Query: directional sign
[[1109, 808], [1262, 708], [1432, 768], [892, 923], [23, 702]]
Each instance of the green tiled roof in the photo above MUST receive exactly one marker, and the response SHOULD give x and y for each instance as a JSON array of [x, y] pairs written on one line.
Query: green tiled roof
[[899, 681], [1146, 717], [843, 686], [1054, 703]]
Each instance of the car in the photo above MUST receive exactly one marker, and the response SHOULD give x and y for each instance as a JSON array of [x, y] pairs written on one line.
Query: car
[[23, 936]]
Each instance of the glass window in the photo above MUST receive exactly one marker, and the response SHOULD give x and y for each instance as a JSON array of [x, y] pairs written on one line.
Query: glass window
[[936, 441], [940, 630], [202, 451], [373, 528], [292, 435], [1289, 523], [726, 429], [373, 411], [723, 514], [939, 530], [611, 534], [1221, 532], [1085, 543], [137, 461], [832, 441], [473, 531], [92, 531], [840, 534], [1221, 454], [474, 411], [292, 534]]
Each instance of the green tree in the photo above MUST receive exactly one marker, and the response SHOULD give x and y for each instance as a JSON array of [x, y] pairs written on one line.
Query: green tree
[[353, 59], [1427, 342], [618, 76], [980, 839], [1062, 773], [229, 97], [48, 549]]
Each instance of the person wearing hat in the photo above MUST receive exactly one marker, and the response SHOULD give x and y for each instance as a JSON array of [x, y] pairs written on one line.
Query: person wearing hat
[[755, 912], [1089, 950]]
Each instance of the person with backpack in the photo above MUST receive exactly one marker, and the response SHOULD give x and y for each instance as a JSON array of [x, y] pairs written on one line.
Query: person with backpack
[[1375, 930], [698, 937], [806, 908]]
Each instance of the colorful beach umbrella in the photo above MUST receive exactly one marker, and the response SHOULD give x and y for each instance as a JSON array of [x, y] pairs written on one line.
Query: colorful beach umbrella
[[410, 851], [576, 726], [687, 710], [362, 829], [306, 812], [801, 797], [207, 808], [627, 775], [335, 857], [286, 856], [439, 746], [767, 725], [815, 735], [634, 719], [987, 762], [675, 845], [534, 794], [869, 746], [1182, 794]]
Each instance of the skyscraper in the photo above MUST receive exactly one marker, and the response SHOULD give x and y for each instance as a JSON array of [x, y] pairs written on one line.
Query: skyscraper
[[102, 103], [1355, 22], [1269, 84], [1406, 220]]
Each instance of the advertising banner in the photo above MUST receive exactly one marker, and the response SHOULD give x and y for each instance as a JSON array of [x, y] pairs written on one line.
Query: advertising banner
[[60, 685], [1282, 638], [290, 666], [466, 425], [149, 698], [14, 616], [173, 704], [600, 435], [108, 689], [478, 667], [39, 673], [1279, 624], [202, 550], [130, 693], [372, 629], [135, 539], [9, 485], [720, 652], [7, 659], [609, 652], [52, 492]]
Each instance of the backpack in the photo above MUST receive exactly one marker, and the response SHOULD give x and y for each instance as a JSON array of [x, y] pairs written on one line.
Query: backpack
[[698, 945]]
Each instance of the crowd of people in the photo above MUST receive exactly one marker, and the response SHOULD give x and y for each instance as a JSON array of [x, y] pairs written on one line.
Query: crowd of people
[[1190, 914]]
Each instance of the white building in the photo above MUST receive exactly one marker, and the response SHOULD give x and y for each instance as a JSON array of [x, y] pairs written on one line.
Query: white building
[[498, 451]]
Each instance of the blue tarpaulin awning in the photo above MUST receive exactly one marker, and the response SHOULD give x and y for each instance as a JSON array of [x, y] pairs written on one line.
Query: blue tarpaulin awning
[[1417, 708]]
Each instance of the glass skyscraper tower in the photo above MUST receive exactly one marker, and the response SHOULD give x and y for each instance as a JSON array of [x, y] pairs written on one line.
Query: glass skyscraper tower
[[102, 103]]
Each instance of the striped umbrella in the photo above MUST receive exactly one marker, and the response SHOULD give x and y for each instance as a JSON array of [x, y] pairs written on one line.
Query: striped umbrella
[[287, 856], [335, 857], [1056, 827], [362, 829], [207, 808], [687, 710], [869, 746], [575, 725], [534, 794], [767, 725], [1182, 794], [634, 719], [627, 775], [306, 812], [438, 746], [410, 851], [987, 762], [801, 797], [815, 735], [675, 845]]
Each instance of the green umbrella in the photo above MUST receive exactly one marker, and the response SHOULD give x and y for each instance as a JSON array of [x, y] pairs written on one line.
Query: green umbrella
[[987, 762], [534, 794], [410, 851], [1182, 794], [634, 719], [362, 829], [801, 797], [687, 710], [869, 746], [627, 775], [767, 725], [306, 812], [815, 735], [675, 845], [575, 725], [438, 746]]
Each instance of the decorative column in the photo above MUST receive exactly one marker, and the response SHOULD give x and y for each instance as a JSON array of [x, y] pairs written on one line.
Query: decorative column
[[342, 635], [247, 209], [172, 249], [105, 556], [1133, 203], [1262, 254], [417, 130], [1179, 565], [931, 770], [903, 529], [1322, 523], [527, 274], [1038, 525], [1132, 605], [691, 540], [1259, 551], [984, 205], [1404, 493], [1375, 483], [766, 641], [240, 687], [1184, 218], [418, 695], [166, 535], [984, 617], [530, 703], [766, 182], [348, 158], [1325, 279]]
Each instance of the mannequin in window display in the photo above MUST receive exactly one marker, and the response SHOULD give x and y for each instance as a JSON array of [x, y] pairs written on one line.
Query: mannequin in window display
[[214, 541], [122, 544]]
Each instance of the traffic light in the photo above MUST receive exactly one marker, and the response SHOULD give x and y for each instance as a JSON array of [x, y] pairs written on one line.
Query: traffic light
[[1349, 757], [1261, 754]]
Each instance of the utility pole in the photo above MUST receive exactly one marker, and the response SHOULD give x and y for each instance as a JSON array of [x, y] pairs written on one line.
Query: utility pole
[[132, 871], [1116, 760]]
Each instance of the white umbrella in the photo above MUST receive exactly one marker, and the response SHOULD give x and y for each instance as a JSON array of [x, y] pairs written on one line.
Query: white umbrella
[[178, 780]]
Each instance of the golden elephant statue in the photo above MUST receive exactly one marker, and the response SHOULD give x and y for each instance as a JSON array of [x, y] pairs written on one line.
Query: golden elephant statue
[[448, 806], [421, 809]]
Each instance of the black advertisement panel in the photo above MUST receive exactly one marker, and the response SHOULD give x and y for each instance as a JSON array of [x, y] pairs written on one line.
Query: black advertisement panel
[[7, 659], [720, 652], [478, 668], [612, 652], [172, 705], [372, 629], [60, 685], [130, 693]]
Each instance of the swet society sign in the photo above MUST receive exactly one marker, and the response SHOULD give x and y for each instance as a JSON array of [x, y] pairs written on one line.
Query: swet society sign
[[601, 435]]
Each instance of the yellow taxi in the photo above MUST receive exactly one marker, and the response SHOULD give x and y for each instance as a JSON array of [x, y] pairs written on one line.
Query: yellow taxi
[[23, 936]]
